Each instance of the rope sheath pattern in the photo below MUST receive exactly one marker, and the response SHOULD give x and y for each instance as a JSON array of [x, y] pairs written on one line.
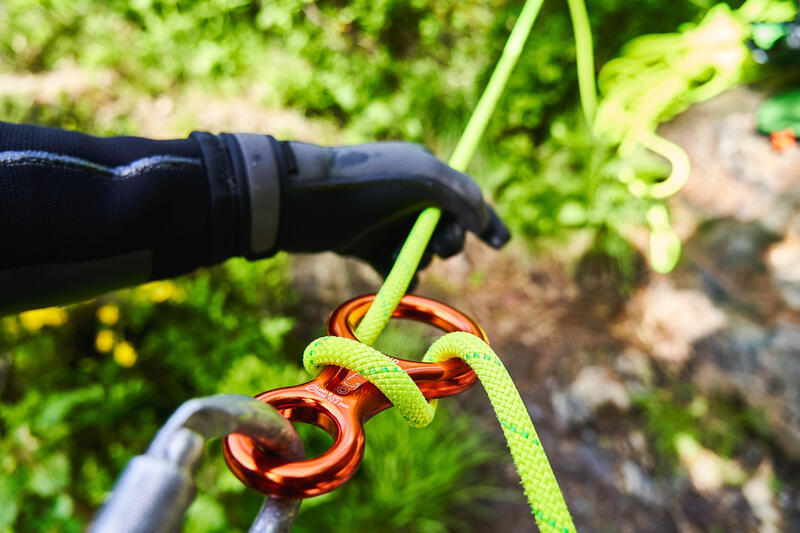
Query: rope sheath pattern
[[381, 371], [538, 481]]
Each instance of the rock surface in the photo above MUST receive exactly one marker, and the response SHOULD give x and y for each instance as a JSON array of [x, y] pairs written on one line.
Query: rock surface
[[743, 259], [594, 388]]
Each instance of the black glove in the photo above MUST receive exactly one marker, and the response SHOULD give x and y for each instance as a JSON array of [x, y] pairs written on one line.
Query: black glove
[[362, 200]]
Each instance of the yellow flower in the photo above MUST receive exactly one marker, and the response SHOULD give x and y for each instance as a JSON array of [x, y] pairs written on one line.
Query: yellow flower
[[104, 341], [124, 354], [108, 314], [161, 291], [38, 318]]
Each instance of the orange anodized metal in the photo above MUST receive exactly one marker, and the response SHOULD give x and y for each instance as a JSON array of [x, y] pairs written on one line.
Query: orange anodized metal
[[340, 401]]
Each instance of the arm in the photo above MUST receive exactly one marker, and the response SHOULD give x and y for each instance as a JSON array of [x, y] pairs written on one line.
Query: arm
[[81, 215]]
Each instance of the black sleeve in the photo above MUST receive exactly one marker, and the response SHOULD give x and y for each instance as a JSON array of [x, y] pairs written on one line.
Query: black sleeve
[[80, 215]]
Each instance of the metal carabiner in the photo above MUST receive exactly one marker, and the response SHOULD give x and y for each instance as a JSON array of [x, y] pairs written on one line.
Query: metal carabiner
[[339, 401], [155, 489]]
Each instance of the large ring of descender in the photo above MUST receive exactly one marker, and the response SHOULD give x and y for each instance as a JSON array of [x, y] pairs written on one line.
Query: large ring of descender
[[340, 401]]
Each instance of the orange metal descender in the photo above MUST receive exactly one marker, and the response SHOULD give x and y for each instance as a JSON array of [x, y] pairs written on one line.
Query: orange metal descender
[[340, 401]]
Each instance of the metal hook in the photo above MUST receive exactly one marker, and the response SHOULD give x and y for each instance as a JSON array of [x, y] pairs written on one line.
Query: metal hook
[[154, 491]]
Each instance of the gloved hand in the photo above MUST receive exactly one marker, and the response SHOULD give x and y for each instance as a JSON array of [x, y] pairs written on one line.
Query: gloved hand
[[82, 215], [362, 200]]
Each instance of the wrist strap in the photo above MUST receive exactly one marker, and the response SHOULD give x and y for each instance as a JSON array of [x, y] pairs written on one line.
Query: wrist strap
[[261, 175]]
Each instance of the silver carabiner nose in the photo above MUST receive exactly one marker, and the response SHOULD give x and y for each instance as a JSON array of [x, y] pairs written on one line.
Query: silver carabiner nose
[[154, 491]]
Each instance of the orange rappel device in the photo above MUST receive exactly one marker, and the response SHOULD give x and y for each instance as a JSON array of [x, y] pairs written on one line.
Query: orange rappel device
[[339, 401]]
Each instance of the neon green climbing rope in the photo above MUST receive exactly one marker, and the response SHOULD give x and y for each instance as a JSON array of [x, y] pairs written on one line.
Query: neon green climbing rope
[[538, 480], [396, 283]]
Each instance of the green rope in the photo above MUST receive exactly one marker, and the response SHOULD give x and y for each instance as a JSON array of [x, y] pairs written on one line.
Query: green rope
[[491, 95], [539, 482], [657, 77], [396, 283], [584, 55], [379, 369]]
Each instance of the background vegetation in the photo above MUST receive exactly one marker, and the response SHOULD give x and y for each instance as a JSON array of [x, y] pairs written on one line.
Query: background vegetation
[[85, 388], [383, 69]]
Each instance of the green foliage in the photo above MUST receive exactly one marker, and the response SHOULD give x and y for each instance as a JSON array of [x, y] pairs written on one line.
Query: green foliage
[[781, 112], [74, 411], [85, 389], [544, 84], [67, 113], [604, 181], [407, 339], [717, 422], [565, 184], [383, 68], [569, 185], [551, 176], [423, 480]]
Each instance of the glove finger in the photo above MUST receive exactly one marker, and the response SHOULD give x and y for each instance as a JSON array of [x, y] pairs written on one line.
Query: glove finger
[[496, 233], [427, 257], [463, 200], [383, 259], [414, 284], [448, 240], [468, 206], [382, 266], [384, 249]]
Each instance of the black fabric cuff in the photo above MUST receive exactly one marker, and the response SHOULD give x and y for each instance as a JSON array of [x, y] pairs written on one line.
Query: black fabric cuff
[[226, 195], [287, 166]]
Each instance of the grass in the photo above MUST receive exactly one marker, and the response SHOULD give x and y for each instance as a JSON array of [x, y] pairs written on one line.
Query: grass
[[718, 422]]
